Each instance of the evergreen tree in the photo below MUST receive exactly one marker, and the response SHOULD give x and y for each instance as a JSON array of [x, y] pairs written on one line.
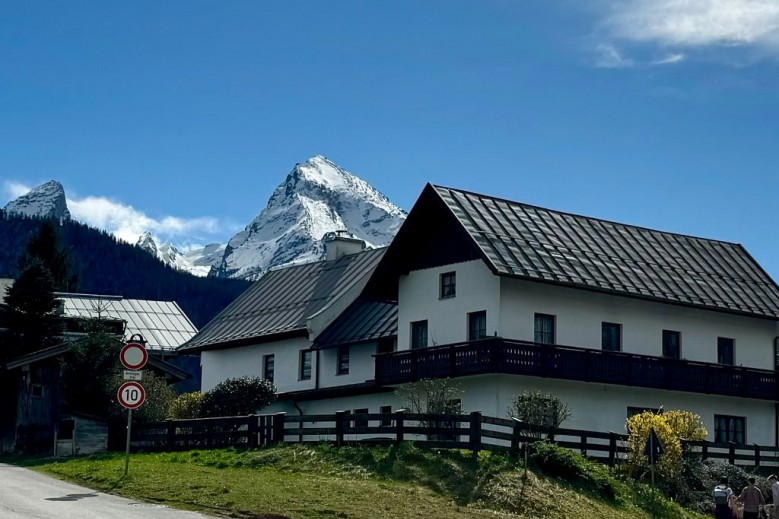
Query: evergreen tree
[[45, 246], [30, 312]]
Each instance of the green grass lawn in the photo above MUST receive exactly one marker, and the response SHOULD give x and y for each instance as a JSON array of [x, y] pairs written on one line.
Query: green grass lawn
[[356, 482]]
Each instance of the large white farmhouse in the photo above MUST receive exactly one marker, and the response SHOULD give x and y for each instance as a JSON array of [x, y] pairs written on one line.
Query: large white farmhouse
[[507, 297]]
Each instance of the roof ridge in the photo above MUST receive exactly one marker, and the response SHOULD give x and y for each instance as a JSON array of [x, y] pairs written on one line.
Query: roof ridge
[[577, 215]]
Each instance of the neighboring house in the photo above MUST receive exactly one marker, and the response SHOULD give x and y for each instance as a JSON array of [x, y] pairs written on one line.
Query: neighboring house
[[506, 297], [38, 406]]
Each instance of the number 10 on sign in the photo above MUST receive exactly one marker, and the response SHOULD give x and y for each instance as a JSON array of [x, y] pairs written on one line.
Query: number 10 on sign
[[131, 395]]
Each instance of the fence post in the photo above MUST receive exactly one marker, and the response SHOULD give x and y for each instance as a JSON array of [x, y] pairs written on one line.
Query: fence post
[[550, 434], [340, 425], [252, 431], [705, 451], [171, 434], [278, 428], [583, 447], [515, 433], [757, 456], [732, 453], [612, 449], [475, 433], [399, 426], [208, 433]]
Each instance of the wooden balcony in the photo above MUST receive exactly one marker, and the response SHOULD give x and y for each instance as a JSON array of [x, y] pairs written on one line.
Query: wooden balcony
[[497, 355]]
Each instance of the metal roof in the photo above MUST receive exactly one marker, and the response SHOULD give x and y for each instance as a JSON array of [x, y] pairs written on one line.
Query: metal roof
[[162, 323], [282, 300], [364, 320], [539, 244]]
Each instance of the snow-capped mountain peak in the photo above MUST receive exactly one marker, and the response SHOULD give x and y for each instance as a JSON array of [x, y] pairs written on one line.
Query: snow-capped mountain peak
[[45, 201], [316, 197]]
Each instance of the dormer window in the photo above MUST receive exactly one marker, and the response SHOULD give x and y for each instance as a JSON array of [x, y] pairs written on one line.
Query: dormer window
[[448, 285]]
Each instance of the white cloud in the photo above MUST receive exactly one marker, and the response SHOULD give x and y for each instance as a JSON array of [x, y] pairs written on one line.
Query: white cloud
[[609, 56], [14, 190], [127, 223], [696, 23], [669, 59]]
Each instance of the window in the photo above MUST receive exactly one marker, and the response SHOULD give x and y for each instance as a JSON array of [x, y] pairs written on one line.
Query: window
[[385, 346], [268, 367], [672, 342], [611, 337], [544, 331], [730, 429], [36, 391], [632, 411], [725, 349], [418, 335], [385, 409], [305, 365], [477, 325], [361, 417], [448, 285], [343, 360]]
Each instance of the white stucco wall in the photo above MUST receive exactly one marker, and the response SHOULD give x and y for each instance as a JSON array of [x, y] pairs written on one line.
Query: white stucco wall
[[579, 314], [418, 299], [219, 365], [360, 366]]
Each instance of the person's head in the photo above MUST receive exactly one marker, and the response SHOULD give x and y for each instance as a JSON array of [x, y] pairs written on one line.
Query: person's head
[[723, 480], [772, 478], [751, 480]]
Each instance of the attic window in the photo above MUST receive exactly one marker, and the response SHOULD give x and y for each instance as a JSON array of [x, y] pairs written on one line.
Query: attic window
[[36, 391], [448, 285]]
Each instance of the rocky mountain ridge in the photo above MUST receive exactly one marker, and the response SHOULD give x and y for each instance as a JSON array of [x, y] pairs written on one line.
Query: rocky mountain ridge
[[316, 197]]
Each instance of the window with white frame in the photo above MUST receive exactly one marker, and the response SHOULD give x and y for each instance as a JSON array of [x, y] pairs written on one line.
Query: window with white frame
[[544, 328], [305, 365], [477, 325], [730, 429], [268, 367], [448, 285], [419, 334], [343, 360]]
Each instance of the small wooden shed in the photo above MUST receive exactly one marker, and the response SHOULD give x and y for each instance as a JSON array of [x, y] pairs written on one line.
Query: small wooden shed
[[80, 434]]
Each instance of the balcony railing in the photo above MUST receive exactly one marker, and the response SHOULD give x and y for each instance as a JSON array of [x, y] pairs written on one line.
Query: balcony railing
[[497, 355]]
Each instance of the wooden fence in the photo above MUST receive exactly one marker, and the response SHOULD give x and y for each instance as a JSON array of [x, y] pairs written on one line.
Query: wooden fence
[[473, 432]]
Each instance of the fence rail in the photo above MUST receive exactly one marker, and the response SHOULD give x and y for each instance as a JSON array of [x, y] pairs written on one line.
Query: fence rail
[[473, 431]]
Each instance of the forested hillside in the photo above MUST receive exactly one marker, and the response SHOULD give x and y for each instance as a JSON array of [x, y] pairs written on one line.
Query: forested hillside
[[110, 267]]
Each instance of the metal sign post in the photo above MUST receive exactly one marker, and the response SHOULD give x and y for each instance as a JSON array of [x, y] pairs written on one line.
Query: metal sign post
[[131, 394]]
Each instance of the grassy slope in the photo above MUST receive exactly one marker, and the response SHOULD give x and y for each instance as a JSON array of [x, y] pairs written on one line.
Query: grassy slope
[[322, 482]]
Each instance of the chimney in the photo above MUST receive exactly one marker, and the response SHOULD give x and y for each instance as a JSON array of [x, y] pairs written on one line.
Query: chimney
[[340, 243]]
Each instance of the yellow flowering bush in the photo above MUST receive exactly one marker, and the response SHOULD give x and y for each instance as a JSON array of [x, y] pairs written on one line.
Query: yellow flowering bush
[[671, 427]]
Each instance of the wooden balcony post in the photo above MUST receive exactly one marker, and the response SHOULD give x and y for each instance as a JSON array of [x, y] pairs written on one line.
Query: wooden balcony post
[[452, 361], [414, 368], [278, 428], [475, 433], [399, 426]]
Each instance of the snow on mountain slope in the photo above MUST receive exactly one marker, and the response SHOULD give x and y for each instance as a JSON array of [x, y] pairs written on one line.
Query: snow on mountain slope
[[46, 201], [196, 261], [316, 197]]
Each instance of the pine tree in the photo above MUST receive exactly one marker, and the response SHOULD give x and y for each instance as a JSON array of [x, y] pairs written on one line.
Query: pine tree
[[45, 246], [30, 312]]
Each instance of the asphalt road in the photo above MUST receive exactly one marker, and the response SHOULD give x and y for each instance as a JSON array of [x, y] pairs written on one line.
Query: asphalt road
[[25, 494]]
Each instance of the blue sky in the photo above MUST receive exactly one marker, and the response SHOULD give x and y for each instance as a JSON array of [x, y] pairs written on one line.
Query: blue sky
[[183, 116]]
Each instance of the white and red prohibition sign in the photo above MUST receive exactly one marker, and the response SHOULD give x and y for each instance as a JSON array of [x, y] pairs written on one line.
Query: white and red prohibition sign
[[133, 355], [131, 395]]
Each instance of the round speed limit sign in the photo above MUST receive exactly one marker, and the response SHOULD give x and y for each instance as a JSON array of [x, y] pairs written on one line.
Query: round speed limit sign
[[131, 395]]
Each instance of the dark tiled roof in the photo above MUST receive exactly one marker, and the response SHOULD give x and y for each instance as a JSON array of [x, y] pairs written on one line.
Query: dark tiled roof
[[533, 243], [364, 320], [281, 301]]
